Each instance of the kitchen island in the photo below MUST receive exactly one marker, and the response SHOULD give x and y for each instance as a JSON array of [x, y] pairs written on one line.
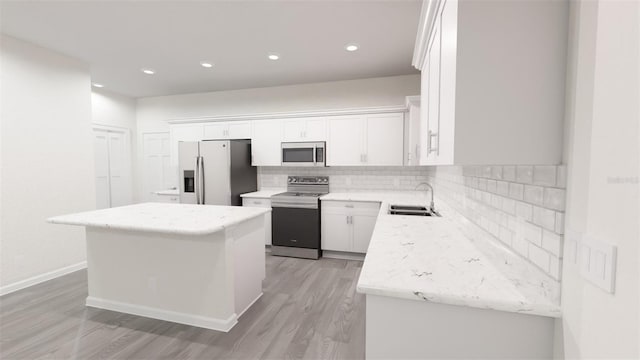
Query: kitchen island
[[199, 265]]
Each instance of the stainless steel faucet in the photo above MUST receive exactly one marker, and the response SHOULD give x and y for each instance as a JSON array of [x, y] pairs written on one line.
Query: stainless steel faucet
[[432, 207]]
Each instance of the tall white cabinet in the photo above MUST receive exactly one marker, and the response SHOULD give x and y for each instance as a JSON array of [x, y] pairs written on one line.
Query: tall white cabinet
[[158, 172], [112, 168], [492, 89]]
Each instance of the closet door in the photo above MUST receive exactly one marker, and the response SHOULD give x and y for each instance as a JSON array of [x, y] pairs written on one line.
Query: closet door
[[101, 153]]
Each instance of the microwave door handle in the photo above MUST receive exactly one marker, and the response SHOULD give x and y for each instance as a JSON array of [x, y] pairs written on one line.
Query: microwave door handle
[[314, 155]]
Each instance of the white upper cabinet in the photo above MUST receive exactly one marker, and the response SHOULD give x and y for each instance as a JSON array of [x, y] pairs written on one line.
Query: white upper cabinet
[[345, 140], [266, 142], [384, 140], [224, 130], [412, 131], [183, 132], [487, 95], [305, 129], [365, 140]]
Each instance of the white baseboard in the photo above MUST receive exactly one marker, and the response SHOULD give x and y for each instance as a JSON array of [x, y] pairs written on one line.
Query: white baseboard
[[23, 284], [342, 255], [181, 318]]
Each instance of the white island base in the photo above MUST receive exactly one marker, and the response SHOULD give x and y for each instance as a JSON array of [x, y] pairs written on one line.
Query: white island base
[[203, 273], [407, 329]]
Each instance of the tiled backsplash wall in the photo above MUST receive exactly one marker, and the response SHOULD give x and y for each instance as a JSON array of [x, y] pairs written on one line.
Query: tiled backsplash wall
[[522, 206], [357, 178]]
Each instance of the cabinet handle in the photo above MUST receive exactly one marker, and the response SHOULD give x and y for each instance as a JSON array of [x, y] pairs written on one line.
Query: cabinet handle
[[365, 158], [349, 206], [431, 141], [347, 219]]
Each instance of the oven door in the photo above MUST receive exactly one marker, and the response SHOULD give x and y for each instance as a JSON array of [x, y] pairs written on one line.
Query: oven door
[[303, 154], [295, 227]]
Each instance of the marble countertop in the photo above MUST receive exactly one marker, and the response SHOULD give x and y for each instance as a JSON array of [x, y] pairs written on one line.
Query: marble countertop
[[168, 192], [263, 193], [432, 259], [185, 219]]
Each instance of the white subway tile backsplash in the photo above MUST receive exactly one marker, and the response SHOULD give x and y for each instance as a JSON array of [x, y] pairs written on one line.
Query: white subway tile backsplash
[[492, 186], [544, 217], [502, 188], [516, 191], [560, 223], [496, 172], [534, 194], [552, 242], [544, 175], [509, 173], [554, 198], [531, 233], [524, 174], [524, 210]]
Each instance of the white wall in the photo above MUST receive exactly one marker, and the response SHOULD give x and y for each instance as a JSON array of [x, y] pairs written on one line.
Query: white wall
[[603, 189], [47, 160], [117, 111], [152, 113]]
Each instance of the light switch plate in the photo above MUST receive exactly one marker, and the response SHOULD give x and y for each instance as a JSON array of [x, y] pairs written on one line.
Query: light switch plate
[[598, 262]]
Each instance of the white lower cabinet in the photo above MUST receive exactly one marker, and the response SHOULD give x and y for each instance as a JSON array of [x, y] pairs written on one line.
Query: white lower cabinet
[[265, 203], [348, 225]]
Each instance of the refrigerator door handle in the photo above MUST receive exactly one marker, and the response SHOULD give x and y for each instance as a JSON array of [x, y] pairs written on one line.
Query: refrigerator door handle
[[196, 180], [201, 179]]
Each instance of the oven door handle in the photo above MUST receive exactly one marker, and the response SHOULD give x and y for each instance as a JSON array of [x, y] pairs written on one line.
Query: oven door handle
[[314, 155]]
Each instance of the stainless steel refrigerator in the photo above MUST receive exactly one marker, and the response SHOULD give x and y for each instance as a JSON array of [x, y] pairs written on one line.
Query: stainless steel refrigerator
[[215, 172]]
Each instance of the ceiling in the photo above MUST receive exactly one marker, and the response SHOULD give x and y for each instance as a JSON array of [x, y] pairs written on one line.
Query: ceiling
[[119, 38]]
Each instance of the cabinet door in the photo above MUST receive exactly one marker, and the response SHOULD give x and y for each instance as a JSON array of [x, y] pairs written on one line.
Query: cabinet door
[[384, 140], [336, 232], [239, 130], [191, 132], [254, 202], [345, 141], [363, 226], [316, 129], [293, 129], [266, 142], [433, 111], [215, 131], [448, 61]]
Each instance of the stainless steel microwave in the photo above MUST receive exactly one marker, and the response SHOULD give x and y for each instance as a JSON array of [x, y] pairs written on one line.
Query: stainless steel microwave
[[304, 153]]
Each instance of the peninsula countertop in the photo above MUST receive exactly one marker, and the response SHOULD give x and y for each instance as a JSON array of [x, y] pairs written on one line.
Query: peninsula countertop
[[185, 219], [432, 259]]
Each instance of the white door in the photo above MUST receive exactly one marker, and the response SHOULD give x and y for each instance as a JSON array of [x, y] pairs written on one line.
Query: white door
[[385, 139], [336, 231], [112, 168], [118, 170], [266, 142], [345, 141], [158, 172], [363, 226], [316, 129], [215, 131], [101, 153], [239, 130]]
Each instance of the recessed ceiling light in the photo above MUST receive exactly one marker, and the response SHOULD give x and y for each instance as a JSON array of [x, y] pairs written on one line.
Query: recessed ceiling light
[[273, 56], [97, 85], [206, 64], [148, 71], [351, 47]]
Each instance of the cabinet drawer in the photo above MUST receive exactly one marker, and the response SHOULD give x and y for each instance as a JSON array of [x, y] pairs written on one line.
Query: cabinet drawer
[[256, 202], [353, 206]]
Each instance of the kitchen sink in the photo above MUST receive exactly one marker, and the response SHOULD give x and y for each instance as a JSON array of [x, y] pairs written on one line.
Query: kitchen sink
[[411, 210]]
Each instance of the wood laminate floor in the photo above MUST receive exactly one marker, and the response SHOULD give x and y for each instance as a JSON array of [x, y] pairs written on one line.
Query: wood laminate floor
[[309, 310]]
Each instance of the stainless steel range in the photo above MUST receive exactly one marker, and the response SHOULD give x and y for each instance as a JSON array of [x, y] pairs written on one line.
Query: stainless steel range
[[295, 217]]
